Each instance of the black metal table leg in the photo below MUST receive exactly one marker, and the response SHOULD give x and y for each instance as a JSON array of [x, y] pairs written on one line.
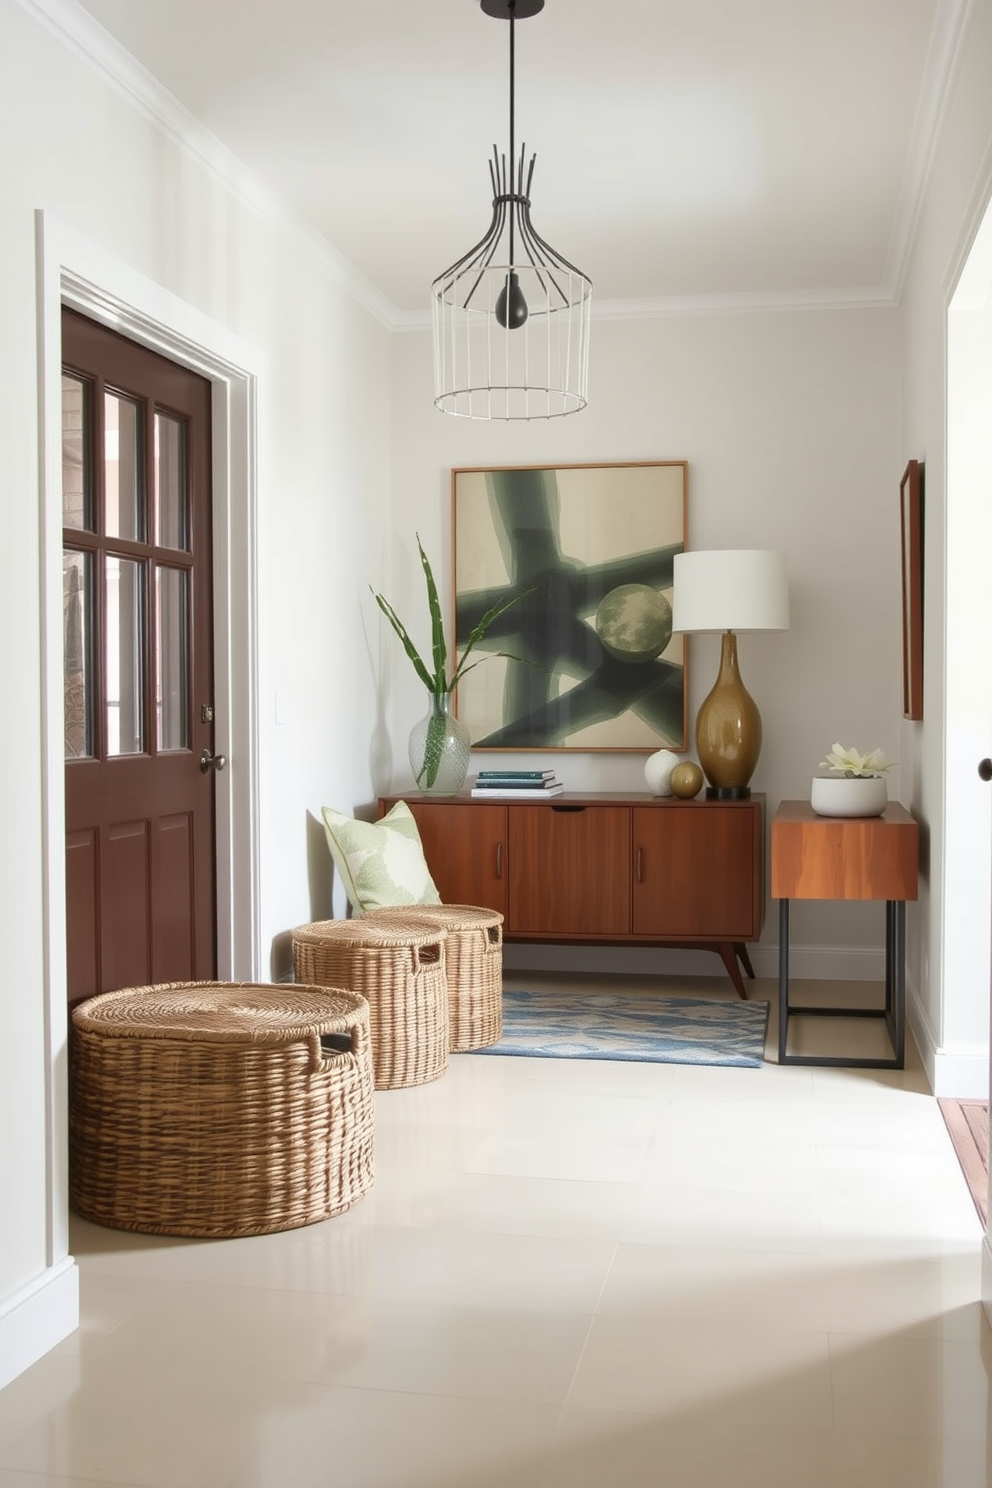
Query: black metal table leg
[[783, 979], [894, 1011]]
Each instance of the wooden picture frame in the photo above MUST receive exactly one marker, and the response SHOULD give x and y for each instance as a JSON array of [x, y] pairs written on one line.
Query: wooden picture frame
[[589, 662], [911, 528]]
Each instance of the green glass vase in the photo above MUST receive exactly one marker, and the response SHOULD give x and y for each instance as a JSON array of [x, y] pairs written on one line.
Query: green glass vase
[[439, 749]]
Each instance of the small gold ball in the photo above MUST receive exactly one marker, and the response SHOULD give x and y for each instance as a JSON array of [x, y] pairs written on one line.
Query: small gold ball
[[686, 780]]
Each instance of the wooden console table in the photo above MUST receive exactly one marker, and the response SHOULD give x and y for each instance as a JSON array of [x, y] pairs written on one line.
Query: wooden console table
[[831, 857], [604, 868]]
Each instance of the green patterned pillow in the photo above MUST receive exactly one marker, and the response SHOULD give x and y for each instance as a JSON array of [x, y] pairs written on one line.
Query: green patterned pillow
[[381, 862]]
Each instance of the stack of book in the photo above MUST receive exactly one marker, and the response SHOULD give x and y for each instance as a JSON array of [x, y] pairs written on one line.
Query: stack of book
[[521, 785]]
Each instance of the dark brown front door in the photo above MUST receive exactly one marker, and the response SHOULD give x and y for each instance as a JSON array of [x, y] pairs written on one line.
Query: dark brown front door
[[137, 604]]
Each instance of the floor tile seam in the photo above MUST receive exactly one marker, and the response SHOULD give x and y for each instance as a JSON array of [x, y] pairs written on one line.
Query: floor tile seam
[[927, 1212], [577, 1368], [801, 1247], [497, 1398], [608, 1272], [902, 1338], [940, 1181], [43, 1478], [546, 1399], [411, 1233], [768, 1195], [811, 1337], [938, 1151], [848, 1153]]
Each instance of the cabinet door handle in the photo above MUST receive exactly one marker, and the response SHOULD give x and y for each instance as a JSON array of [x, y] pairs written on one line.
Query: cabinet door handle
[[556, 806], [640, 859], [499, 860]]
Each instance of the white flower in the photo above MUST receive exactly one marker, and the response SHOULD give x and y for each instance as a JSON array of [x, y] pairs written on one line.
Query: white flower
[[853, 763]]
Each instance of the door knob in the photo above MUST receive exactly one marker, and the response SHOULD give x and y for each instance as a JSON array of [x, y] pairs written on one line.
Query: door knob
[[985, 769], [210, 761]]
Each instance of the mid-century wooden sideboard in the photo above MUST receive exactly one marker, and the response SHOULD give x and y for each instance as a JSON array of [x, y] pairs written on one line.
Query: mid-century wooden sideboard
[[604, 868]]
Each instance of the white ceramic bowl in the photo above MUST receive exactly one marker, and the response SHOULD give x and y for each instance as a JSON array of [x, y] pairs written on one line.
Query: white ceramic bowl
[[837, 795]]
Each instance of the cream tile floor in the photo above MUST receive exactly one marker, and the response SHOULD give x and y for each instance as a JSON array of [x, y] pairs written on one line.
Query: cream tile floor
[[570, 1274]]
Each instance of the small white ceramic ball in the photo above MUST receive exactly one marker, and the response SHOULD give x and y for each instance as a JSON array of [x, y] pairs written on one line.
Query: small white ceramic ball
[[658, 772]]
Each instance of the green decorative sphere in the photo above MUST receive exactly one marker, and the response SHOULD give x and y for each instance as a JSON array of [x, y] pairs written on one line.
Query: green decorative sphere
[[634, 622], [686, 780]]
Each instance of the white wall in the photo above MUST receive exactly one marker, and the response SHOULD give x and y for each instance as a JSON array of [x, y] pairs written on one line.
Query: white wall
[[790, 424], [92, 159], [949, 936]]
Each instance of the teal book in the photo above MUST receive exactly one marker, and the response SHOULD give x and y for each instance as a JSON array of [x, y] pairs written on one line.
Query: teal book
[[503, 782], [516, 775]]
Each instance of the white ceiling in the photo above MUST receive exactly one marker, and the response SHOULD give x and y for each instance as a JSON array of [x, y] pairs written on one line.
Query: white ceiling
[[701, 151]]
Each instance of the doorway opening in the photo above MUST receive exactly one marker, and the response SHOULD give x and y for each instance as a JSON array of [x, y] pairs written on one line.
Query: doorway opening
[[141, 904], [966, 951], [77, 273]]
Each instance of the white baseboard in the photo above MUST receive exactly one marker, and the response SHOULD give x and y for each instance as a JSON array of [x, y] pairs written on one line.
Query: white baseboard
[[37, 1317], [816, 963], [954, 1074]]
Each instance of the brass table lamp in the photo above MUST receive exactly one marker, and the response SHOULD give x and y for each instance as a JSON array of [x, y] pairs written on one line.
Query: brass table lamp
[[727, 591]]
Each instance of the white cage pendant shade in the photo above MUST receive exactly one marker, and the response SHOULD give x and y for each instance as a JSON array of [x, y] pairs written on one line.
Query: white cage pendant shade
[[511, 316]]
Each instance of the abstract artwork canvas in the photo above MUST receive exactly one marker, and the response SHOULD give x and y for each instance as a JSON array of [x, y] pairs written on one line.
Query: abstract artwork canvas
[[592, 663]]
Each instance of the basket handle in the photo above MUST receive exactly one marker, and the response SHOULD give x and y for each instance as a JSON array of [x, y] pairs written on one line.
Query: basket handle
[[329, 1049], [429, 955], [341, 1043], [492, 938]]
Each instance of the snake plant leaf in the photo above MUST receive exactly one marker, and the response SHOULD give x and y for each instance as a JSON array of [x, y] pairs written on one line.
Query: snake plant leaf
[[408, 645], [433, 750], [437, 683], [463, 671], [479, 631], [438, 647]]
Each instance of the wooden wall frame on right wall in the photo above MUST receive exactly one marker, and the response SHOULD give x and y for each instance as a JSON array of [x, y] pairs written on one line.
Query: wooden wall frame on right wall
[[911, 527]]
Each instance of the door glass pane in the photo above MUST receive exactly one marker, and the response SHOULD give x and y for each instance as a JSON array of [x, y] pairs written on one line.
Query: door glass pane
[[123, 485], [76, 668], [170, 482], [77, 508], [171, 659], [125, 732]]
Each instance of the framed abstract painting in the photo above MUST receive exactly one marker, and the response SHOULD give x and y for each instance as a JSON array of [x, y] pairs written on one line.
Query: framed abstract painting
[[585, 659]]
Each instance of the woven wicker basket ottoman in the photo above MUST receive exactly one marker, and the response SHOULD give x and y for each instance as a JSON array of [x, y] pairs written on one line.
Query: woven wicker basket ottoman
[[219, 1108], [474, 959], [399, 968]]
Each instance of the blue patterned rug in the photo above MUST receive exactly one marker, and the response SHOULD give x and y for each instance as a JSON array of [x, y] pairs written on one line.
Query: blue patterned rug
[[646, 1029]]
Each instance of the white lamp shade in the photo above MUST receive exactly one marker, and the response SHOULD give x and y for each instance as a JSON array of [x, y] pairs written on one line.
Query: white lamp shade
[[730, 589]]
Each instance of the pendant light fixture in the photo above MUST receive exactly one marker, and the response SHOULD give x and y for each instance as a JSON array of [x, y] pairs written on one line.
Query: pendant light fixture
[[511, 316]]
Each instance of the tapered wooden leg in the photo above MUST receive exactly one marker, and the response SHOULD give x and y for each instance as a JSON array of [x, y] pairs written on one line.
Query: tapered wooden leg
[[728, 955], [744, 958]]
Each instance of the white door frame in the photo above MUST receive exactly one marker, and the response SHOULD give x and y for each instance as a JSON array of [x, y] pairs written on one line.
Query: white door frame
[[961, 1054], [74, 271]]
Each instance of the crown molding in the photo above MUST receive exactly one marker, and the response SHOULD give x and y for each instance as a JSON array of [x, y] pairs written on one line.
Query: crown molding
[[758, 302], [950, 23], [674, 307], [76, 29]]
